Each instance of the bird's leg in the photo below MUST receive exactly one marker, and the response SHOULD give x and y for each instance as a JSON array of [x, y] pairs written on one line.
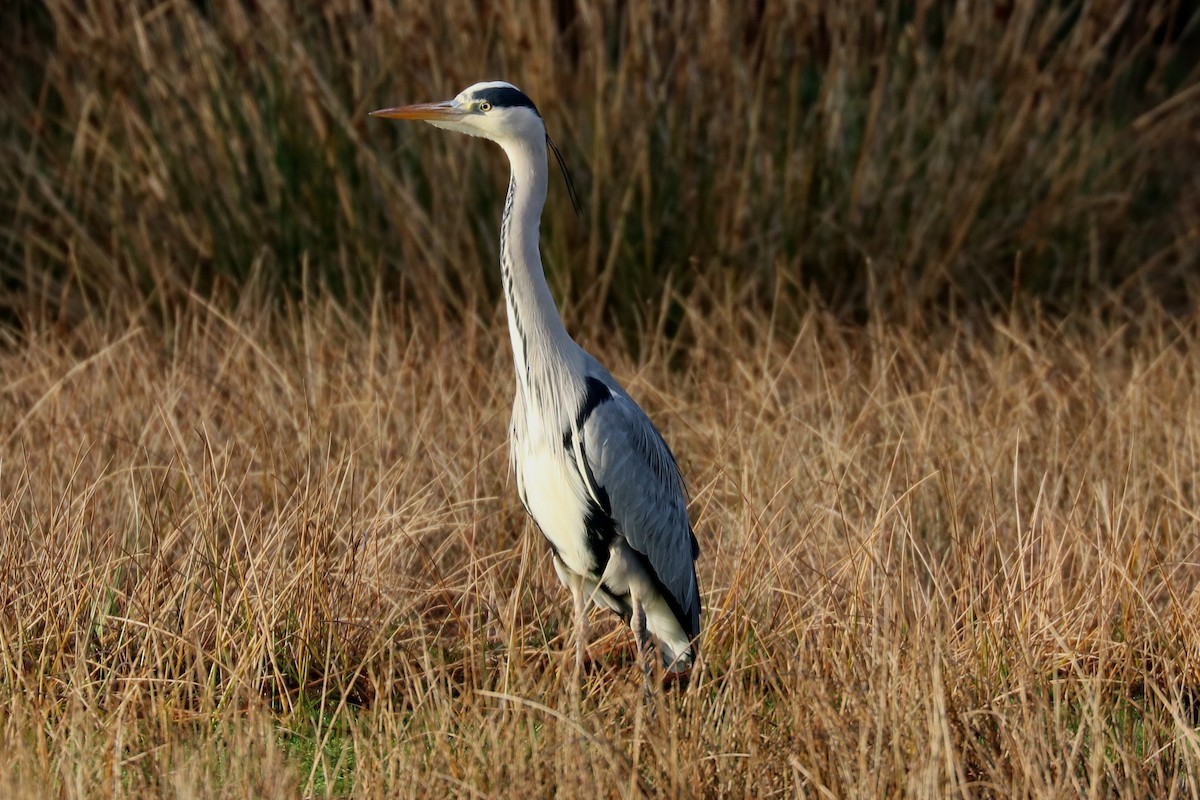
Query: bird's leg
[[641, 636], [581, 625], [575, 583]]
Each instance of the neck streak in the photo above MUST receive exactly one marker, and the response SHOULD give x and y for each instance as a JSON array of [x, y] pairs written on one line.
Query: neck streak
[[539, 339]]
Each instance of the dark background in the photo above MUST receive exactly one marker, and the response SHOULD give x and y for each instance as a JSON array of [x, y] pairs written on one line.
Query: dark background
[[908, 158]]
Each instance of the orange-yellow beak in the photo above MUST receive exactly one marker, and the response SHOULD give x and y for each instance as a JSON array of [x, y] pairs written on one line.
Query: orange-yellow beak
[[446, 110]]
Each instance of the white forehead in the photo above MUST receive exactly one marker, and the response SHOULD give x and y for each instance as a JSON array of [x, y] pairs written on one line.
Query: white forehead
[[482, 86]]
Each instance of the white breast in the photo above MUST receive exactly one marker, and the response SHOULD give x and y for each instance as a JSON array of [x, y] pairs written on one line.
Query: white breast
[[555, 495]]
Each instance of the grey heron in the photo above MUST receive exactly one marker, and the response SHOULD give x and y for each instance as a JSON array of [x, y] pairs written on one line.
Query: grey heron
[[592, 470]]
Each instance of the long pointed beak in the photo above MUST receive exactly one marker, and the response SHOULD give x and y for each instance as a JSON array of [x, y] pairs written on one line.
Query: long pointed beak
[[445, 110]]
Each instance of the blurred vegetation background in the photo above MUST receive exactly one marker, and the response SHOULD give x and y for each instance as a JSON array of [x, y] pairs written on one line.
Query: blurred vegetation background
[[914, 157]]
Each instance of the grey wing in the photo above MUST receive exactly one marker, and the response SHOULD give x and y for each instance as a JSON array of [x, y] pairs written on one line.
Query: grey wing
[[634, 478]]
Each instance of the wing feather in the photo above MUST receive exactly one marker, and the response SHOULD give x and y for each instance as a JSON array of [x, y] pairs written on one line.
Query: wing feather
[[628, 464]]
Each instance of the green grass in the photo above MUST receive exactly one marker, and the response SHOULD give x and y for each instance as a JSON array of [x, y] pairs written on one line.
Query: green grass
[[323, 747]]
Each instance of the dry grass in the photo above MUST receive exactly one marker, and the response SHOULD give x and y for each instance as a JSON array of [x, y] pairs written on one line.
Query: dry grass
[[257, 534], [278, 553]]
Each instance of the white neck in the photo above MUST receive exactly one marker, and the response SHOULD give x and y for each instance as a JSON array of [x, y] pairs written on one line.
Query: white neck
[[539, 339]]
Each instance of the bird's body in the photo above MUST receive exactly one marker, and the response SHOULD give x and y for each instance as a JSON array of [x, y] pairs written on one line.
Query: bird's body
[[591, 469]]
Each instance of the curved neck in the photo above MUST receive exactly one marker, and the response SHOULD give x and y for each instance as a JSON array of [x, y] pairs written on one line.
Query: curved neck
[[534, 325]]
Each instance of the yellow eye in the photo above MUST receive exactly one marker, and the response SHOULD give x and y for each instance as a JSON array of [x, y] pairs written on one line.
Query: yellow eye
[[485, 106]]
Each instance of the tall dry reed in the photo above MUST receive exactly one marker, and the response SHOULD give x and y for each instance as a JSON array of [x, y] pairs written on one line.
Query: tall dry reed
[[926, 153], [279, 552]]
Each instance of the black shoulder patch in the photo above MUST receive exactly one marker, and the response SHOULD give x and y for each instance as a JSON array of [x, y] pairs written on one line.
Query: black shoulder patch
[[596, 394], [506, 97]]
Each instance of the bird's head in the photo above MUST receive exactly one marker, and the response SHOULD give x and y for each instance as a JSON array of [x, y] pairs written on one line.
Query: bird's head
[[493, 109]]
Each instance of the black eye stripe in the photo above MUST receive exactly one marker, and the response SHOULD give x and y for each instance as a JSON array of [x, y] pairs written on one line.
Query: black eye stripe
[[506, 97]]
